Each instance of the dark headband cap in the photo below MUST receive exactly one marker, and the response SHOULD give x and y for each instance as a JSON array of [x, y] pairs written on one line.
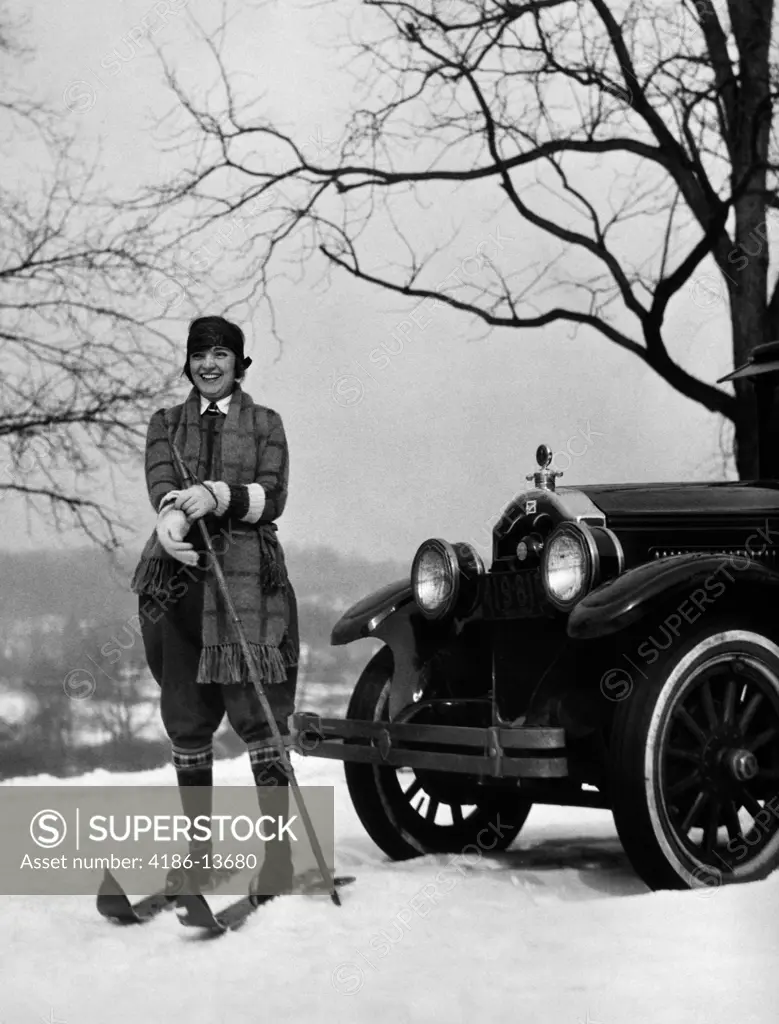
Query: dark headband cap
[[215, 331]]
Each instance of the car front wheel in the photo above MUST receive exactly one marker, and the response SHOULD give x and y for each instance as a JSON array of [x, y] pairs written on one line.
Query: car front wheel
[[409, 813], [695, 758]]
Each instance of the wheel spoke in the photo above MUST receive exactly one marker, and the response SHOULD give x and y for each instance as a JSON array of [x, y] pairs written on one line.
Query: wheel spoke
[[712, 827], [412, 790], [432, 810], [732, 823], [692, 815], [682, 755], [730, 702], [762, 739], [684, 784], [752, 805], [749, 712], [708, 705], [684, 715], [457, 814]]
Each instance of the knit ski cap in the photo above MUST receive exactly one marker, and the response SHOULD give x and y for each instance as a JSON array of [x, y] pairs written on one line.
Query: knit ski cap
[[213, 332]]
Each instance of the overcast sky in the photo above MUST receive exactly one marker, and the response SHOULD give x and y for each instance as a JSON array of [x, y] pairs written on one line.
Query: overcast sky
[[440, 436]]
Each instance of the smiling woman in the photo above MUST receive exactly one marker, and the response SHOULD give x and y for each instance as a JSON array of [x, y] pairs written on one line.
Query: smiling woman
[[213, 349], [213, 372], [237, 450]]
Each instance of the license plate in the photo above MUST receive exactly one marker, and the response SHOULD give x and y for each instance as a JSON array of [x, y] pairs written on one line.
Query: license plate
[[512, 595]]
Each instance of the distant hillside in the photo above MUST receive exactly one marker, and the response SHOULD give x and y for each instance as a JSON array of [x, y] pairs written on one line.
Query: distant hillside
[[84, 583]]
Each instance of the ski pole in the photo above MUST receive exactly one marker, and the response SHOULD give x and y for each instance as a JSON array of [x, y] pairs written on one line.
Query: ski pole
[[190, 479]]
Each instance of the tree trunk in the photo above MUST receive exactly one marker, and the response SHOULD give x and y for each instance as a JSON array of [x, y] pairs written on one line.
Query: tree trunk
[[749, 139]]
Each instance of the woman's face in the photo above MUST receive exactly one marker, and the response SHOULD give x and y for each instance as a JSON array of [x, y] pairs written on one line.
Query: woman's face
[[213, 372]]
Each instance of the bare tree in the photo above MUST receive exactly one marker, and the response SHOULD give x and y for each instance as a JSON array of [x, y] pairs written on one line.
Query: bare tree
[[123, 698], [630, 141], [84, 319], [123, 709]]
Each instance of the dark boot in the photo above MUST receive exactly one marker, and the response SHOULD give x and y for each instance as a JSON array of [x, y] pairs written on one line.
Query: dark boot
[[276, 876], [196, 792]]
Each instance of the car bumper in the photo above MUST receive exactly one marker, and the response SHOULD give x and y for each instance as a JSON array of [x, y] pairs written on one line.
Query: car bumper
[[532, 752]]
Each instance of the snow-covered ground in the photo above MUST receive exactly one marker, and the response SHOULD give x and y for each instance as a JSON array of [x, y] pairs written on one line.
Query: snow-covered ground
[[557, 930]]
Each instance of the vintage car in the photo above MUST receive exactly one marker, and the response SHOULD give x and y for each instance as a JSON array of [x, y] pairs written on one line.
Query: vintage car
[[621, 651]]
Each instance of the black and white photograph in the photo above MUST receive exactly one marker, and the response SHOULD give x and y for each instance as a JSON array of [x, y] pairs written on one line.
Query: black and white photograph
[[389, 468]]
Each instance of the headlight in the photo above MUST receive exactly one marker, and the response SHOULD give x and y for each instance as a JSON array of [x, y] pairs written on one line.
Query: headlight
[[444, 577], [575, 559], [566, 568]]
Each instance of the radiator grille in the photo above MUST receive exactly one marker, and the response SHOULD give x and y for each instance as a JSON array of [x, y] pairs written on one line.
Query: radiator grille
[[757, 555]]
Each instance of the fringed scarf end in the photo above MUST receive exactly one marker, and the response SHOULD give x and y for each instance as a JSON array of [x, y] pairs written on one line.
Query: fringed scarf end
[[225, 663], [272, 577], [273, 572], [152, 575]]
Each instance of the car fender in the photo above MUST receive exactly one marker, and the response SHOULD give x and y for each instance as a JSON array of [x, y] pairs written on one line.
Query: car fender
[[364, 618], [391, 615], [693, 580]]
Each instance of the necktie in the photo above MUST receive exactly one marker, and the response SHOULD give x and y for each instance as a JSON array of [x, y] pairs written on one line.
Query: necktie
[[213, 414]]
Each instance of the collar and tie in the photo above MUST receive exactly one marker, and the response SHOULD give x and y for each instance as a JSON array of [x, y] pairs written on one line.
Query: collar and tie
[[218, 408]]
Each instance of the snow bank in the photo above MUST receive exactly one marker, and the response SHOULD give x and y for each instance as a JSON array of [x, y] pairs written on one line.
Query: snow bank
[[557, 930]]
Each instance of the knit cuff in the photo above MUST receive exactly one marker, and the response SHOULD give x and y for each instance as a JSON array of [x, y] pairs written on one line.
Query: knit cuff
[[256, 503], [185, 758], [264, 752], [239, 501], [222, 493]]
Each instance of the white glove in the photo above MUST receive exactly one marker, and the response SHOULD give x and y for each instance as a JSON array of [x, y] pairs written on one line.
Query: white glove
[[172, 528], [196, 501]]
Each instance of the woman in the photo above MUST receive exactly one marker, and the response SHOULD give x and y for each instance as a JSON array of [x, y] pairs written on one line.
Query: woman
[[239, 451]]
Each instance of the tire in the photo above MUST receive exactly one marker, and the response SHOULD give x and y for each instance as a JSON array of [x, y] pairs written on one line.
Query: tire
[[386, 808], [695, 757]]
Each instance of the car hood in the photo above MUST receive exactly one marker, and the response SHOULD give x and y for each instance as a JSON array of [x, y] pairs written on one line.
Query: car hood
[[709, 500], [654, 519]]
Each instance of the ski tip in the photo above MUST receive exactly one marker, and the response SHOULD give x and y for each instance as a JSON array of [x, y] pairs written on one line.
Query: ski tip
[[109, 886], [112, 902], [194, 912]]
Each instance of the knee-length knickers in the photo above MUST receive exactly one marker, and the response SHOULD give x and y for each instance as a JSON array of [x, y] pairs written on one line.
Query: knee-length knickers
[[192, 712]]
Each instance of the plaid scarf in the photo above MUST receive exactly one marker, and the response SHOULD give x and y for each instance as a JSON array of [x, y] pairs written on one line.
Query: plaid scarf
[[249, 553]]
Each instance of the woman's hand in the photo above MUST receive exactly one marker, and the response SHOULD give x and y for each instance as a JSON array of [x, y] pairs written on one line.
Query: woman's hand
[[172, 528], [196, 502]]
